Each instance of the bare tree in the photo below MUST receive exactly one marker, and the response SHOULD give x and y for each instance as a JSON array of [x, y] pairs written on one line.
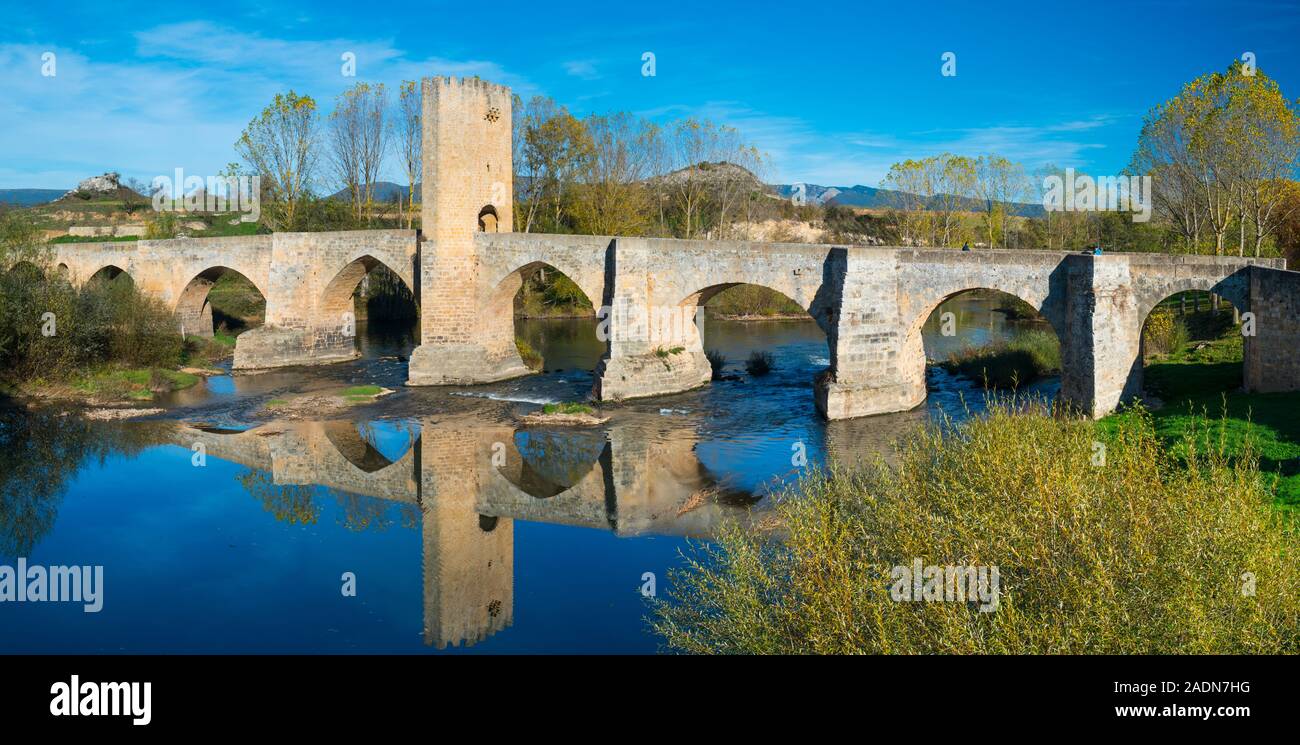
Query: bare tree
[[410, 140], [358, 131]]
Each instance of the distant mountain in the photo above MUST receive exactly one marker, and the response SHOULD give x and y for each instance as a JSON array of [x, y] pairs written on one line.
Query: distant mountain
[[29, 197], [385, 191], [869, 197]]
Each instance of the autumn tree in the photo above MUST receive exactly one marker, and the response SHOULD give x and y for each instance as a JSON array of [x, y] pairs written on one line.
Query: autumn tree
[[280, 146], [613, 200], [999, 185], [1223, 149], [555, 148]]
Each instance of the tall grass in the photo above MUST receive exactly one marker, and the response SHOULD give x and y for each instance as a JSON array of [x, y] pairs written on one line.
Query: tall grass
[[1136, 555], [1025, 357]]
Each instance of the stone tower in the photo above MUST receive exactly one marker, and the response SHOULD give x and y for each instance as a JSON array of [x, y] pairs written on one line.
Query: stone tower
[[467, 189]]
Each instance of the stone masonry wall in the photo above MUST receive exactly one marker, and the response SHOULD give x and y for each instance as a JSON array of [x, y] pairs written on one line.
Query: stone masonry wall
[[1272, 355]]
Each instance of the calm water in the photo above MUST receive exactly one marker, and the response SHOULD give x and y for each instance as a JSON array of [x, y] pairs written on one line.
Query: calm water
[[458, 524]]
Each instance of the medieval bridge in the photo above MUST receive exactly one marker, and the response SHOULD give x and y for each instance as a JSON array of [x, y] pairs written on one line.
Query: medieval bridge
[[870, 301]]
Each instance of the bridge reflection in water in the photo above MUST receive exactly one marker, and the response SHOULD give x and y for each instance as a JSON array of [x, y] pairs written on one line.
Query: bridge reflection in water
[[470, 480]]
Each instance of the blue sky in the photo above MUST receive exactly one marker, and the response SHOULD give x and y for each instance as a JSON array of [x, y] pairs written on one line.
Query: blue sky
[[834, 92]]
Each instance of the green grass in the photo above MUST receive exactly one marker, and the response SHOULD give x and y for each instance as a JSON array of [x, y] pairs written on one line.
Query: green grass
[[276, 403], [1202, 382], [138, 384], [567, 407], [1200, 367], [94, 238], [1267, 424], [363, 390]]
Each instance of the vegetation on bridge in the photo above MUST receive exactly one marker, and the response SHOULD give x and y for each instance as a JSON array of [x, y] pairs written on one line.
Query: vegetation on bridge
[[101, 339]]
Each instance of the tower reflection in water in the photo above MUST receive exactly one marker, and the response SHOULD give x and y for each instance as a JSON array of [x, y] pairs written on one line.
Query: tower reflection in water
[[468, 481]]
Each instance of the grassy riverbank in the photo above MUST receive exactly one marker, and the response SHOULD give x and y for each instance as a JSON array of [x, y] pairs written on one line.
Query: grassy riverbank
[[1200, 382], [1142, 553], [97, 342]]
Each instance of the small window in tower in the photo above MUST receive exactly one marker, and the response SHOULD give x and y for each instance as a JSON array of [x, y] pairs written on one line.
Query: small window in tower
[[487, 219]]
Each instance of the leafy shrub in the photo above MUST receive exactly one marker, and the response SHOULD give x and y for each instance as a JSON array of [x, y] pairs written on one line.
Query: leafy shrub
[[760, 363], [98, 323], [1141, 555], [717, 361], [1164, 334]]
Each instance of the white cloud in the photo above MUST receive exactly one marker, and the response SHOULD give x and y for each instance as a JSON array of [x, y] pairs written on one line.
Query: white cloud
[[181, 101], [584, 69]]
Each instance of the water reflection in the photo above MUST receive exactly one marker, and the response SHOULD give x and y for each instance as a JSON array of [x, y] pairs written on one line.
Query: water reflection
[[568, 517]]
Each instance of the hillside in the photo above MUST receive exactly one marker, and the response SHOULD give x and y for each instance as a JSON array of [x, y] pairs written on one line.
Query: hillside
[[870, 197], [385, 192]]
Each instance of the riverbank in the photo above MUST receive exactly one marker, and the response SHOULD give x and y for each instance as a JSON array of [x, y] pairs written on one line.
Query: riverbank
[[119, 383], [1140, 553]]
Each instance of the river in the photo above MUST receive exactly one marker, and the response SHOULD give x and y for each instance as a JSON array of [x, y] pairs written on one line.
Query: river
[[460, 529]]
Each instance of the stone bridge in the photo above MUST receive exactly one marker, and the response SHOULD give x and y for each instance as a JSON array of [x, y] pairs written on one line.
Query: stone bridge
[[471, 480], [870, 301]]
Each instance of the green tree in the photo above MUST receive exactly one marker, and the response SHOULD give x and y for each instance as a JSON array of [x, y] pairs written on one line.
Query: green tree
[[280, 146]]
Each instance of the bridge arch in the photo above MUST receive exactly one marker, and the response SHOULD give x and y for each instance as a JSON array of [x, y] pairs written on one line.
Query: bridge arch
[[1234, 288], [1015, 309], [338, 299], [547, 284], [109, 273], [697, 325], [193, 309], [1188, 326], [24, 266], [360, 445], [487, 220], [544, 464]]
